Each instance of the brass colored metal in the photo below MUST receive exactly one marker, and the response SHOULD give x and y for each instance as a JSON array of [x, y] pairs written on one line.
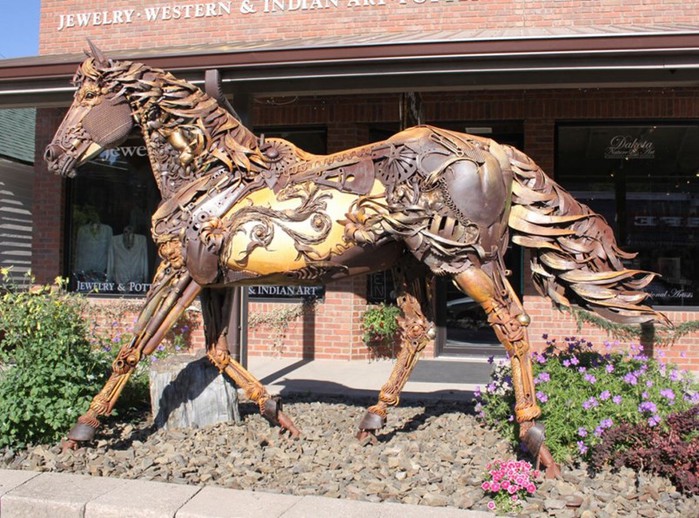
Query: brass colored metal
[[428, 202]]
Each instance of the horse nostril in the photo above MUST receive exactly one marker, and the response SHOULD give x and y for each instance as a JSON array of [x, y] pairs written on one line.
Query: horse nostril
[[52, 152]]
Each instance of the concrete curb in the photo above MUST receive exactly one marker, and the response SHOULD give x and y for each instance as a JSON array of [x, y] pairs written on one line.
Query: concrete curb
[[28, 494]]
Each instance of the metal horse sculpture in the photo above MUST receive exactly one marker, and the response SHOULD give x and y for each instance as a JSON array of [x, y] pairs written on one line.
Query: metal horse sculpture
[[237, 210]]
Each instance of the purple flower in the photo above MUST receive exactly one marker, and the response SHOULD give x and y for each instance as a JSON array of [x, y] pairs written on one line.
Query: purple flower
[[606, 423], [566, 363], [590, 378], [649, 383], [605, 395], [582, 370], [609, 368], [644, 395], [616, 400], [582, 431], [574, 360], [647, 406], [668, 394], [491, 359], [683, 354], [581, 447], [598, 431], [654, 420], [541, 396], [544, 376], [675, 375], [592, 402], [631, 378]]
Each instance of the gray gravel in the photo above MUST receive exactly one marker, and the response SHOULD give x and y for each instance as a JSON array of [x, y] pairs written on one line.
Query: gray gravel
[[430, 453]]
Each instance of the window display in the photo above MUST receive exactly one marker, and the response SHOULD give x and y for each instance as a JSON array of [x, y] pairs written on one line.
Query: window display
[[110, 250], [644, 178]]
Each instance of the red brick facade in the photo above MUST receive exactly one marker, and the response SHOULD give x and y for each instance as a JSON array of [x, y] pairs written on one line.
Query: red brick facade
[[224, 22], [332, 329]]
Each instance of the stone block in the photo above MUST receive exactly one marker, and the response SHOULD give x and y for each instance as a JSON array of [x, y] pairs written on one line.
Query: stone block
[[216, 502], [187, 391], [55, 495], [141, 499], [12, 478]]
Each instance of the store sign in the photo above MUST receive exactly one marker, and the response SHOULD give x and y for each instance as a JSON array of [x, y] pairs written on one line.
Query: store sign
[[286, 292], [177, 12], [122, 288], [627, 147], [666, 221]]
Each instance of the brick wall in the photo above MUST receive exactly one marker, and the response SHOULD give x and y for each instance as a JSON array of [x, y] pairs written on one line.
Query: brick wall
[[48, 204], [117, 27]]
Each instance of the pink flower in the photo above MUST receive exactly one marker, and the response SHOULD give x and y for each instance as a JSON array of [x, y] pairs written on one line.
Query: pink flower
[[512, 490], [491, 505], [485, 486]]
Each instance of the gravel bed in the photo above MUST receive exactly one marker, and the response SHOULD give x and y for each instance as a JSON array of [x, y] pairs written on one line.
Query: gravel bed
[[430, 453]]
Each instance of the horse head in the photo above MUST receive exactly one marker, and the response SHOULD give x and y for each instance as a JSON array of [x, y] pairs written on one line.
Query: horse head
[[99, 118]]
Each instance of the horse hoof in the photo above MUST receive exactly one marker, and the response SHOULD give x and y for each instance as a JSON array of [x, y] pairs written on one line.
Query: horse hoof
[[367, 437], [69, 444], [285, 423]]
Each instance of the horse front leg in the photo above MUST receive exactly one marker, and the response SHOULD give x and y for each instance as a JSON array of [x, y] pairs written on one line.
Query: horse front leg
[[416, 331], [217, 308], [172, 292], [509, 321]]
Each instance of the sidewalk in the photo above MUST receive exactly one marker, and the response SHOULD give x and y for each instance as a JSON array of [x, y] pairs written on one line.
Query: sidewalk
[[452, 379], [27, 494]]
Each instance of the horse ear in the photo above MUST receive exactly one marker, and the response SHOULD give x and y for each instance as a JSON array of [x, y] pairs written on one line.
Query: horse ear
[[96, 53]]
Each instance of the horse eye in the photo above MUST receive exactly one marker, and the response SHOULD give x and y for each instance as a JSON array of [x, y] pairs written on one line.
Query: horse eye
[[90, 95]]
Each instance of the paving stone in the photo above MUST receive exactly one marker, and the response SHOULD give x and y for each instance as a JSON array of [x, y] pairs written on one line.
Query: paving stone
[[55, 495], [319, 506], [12, 478], [216, 502], [141, 499]]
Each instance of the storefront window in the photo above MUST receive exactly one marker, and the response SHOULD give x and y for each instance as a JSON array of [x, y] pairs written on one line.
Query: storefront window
[[110, 250], [644, 179]]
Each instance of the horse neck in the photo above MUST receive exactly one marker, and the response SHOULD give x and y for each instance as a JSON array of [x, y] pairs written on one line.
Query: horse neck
[[180, 151]]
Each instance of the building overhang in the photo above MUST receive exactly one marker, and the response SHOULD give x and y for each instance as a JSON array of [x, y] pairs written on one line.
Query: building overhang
[[603, 57]]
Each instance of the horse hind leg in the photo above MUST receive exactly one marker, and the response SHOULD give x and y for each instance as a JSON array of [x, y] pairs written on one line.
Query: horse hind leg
[[509, 321], [217, 306], [416, 331]]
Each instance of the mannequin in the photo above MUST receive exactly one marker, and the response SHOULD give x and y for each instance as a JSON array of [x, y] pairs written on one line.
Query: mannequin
[[93, 250], [129, 257]]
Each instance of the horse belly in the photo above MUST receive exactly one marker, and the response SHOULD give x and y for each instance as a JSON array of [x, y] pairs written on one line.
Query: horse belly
[[273, 236]]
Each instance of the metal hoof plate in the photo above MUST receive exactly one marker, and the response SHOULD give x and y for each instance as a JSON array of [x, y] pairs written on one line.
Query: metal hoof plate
[[534, 438], [81, 432], [372, 421]]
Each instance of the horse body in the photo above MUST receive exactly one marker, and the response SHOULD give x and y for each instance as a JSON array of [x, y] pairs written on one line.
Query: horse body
[[427, 202]]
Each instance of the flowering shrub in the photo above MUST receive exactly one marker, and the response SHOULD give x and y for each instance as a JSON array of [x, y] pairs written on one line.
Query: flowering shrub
[[49, 373], [113, 327], [583, 393], [380, 324], [509, 483]]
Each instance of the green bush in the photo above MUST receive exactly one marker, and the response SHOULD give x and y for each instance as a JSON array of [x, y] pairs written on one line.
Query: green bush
[[380, 325], [49, 372], [583, 393]]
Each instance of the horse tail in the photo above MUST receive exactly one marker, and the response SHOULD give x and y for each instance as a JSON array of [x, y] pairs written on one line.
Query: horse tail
[[575, 257]]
